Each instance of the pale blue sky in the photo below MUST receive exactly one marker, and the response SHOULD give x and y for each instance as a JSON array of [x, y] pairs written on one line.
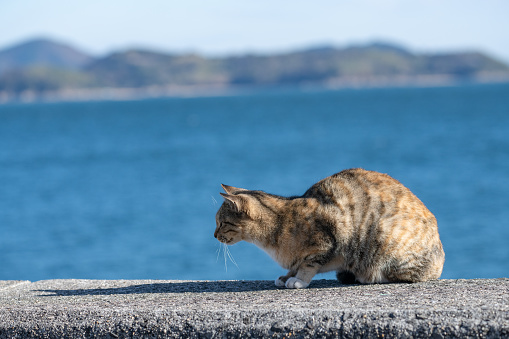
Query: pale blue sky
[[236, 26]]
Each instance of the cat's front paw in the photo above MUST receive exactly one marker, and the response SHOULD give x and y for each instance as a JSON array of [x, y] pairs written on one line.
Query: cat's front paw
[[280, 282], [296, 283]]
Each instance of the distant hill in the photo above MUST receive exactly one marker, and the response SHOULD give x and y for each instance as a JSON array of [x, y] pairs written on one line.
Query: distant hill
[[42, 52], [42, 66], [357, 62], [138, 68]]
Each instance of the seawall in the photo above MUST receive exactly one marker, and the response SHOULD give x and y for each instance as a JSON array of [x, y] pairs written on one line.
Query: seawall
[[228, 309]]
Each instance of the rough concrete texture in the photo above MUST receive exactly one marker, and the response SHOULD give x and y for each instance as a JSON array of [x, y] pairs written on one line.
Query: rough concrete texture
[[224, 309]]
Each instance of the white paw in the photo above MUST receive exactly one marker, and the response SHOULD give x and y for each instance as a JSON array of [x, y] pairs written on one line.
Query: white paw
[[279, 282], [296, 283]]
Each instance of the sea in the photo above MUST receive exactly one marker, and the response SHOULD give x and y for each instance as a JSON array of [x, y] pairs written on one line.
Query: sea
[[130, 189]]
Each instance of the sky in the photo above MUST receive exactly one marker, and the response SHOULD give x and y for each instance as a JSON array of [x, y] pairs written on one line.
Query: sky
[[222, 27]]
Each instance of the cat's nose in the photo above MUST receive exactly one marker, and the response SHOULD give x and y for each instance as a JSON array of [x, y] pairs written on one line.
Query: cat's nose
[[215, 234]]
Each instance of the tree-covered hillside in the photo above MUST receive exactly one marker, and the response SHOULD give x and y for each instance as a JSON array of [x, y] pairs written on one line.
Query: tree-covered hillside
[[43, 66]]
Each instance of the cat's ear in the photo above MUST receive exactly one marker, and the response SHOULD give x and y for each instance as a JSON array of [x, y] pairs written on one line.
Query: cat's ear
[[231, 189], [235, 201]]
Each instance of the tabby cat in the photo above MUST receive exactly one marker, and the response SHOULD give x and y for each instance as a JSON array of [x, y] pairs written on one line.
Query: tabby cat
[[364, 225]]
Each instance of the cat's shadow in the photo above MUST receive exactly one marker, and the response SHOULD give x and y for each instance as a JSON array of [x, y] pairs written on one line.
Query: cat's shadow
[[187, 287]]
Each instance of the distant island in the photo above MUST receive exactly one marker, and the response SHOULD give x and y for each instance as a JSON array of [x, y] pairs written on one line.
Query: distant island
[[43, 69]]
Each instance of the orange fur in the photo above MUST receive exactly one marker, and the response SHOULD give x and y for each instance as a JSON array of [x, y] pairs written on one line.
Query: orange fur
[[355, 222]]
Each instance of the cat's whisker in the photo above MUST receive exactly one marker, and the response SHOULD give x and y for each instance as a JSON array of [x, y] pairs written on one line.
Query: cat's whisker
[[230, 256], [218, 251], [225, 261], [214, 201]]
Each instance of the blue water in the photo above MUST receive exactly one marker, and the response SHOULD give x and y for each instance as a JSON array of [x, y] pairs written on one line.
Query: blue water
[[128, 190]]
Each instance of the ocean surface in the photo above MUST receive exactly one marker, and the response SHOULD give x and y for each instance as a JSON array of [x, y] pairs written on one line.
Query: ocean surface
[[129, 190]]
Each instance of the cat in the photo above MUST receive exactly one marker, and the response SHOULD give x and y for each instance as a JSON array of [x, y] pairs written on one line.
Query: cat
[[364, 225]]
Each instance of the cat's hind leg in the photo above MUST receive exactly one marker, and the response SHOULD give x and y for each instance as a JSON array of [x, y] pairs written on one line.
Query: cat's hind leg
[[346, 277]]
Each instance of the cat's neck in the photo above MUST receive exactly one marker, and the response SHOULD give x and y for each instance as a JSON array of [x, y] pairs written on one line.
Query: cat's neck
[[280, 214], [283, 214]]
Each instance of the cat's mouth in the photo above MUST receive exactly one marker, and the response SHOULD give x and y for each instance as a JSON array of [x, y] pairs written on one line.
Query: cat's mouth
[[226, 241], [228, 238], [223, 239]]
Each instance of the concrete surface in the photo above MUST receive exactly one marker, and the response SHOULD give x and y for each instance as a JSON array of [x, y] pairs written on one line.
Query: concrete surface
[[224, 309]]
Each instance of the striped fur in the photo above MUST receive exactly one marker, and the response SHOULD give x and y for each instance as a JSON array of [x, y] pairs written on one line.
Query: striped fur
[[364, 225]]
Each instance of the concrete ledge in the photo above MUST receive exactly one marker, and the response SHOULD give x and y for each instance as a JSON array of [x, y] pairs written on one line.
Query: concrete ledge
[[223, 309]]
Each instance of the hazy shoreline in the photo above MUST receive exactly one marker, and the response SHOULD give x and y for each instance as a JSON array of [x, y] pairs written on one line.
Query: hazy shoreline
[[191, 91], [48, 71]]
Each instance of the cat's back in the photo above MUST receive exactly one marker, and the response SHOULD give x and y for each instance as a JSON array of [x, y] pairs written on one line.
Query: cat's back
[[379, 193], [357, 184], [380, 224], [367, 196]]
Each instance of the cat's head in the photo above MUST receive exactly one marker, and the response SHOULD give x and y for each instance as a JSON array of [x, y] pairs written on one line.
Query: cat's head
[[239, 217]]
